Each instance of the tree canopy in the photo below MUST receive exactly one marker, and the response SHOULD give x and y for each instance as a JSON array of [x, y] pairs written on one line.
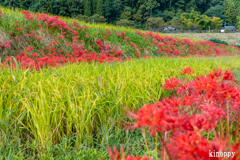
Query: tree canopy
[[195, 14]]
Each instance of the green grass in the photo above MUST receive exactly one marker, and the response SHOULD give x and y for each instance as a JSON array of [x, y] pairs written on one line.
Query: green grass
[[83, 106]]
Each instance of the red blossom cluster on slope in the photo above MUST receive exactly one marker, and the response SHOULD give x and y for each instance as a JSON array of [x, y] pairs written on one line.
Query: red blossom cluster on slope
[[52, 55], [172, 47], [44, 40], [198, 107]]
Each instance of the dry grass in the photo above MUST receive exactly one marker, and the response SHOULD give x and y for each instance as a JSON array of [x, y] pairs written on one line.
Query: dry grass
[[231, 38]]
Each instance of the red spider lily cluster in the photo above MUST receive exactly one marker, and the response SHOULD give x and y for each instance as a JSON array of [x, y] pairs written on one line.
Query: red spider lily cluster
[[45, 40], [207, 105], [173, 47]]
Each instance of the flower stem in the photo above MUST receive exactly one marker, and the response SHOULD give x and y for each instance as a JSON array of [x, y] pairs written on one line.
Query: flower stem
[[163, 143]]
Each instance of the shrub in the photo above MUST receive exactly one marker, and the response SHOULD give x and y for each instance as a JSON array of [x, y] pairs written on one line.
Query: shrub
[[218, 41], [237, 46], [228, 30]]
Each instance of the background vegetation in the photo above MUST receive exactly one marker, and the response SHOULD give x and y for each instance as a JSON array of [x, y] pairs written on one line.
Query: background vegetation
[[188, 14]]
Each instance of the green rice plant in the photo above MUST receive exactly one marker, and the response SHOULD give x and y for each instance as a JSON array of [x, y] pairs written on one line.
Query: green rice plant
[[72, 104]]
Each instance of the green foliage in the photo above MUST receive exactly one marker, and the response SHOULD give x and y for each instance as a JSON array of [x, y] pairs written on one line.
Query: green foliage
[[229, 12], [98, 18], [125, 22], [218, 41], [126, 15], [108, 9], [238, 47], [155, 23], [227, 30], [150, 5], [99, 7], [216, 11], [81, 17], [87, 8], [216, 23], [138, 11], [75, 7], [238, 22], [194, 20], [176, 23]]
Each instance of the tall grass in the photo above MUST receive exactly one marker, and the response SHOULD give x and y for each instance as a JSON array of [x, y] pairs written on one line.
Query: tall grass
[[74, 103]]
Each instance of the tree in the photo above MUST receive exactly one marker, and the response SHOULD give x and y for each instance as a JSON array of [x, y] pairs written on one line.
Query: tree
[[238, 22], [216, 11], [176, 23], [204, 22], [44, 6], [195, 20], [125, 22], [151, 4], [75, 7], [63, 8], [99, 7], [137, 17], [108, 9], [98, 18], [94, 6], [216, 23], [11, 3], [87, 8], [81, 17], [180, 4], [229, 12], [25, 4], [155, 23], [126, 15]]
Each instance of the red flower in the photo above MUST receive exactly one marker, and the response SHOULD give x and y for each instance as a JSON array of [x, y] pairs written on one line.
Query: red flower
[[34, 54], [29, 49], [188, 71], [172, 83]]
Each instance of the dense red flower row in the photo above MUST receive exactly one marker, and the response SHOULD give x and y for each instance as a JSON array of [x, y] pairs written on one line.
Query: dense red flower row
[[50, 41], [198, 107]]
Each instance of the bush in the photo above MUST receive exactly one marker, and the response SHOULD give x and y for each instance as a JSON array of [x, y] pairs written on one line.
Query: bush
[[227, 30], [81, 17], [218, 41], [126, 23], [237, 46]]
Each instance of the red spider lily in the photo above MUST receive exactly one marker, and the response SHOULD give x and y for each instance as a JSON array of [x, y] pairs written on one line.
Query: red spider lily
[[188, 71], [7, 46], [192, 146], [29, 49], [34, 54], [172, 83]]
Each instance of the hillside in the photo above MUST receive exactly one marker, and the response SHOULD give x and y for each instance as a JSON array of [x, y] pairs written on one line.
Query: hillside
[[38, 40]]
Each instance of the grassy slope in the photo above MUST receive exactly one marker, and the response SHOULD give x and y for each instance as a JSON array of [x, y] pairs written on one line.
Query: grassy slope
[[11, 21], [86, 100]]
